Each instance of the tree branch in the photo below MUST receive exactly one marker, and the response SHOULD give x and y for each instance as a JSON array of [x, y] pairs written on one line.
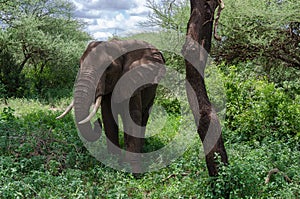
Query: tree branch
[[220, 8]]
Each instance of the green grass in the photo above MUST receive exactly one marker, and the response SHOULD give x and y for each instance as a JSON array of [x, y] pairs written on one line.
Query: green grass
[[44, 158]]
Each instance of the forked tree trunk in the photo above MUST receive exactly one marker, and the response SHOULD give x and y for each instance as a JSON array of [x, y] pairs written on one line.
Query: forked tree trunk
[[196, 50]]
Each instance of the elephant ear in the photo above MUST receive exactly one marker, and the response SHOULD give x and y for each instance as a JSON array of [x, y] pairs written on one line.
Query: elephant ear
[[137, 79]]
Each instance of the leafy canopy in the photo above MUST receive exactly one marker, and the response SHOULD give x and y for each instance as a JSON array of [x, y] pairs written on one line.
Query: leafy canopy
[[40, 43], [267, 32]]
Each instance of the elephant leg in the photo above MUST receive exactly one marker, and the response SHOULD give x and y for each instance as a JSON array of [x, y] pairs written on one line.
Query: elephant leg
[[148, 95], [134, 133], [110, 126]]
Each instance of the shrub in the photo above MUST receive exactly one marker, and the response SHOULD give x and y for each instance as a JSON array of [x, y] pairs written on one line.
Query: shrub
[[257, 109], [249, 166]]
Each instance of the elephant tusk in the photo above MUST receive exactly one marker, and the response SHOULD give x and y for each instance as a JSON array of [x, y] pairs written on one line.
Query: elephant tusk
[[94, 111], [68, 109]]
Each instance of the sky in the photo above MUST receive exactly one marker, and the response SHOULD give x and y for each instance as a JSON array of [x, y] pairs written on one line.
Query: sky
[[106, 18]]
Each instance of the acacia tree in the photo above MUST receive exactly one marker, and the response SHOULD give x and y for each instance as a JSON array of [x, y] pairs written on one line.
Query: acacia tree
[[43, 43], [266, 32]]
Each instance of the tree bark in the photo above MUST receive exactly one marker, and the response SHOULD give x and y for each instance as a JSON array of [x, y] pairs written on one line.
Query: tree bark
[[195, 51]]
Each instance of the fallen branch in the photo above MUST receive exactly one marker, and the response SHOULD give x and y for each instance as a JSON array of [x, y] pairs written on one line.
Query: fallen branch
[[174, 175], [274, 171]]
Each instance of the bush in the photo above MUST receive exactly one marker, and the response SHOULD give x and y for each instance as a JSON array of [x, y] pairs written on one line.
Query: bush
[[257, 109], [245, 176], [171, 106]]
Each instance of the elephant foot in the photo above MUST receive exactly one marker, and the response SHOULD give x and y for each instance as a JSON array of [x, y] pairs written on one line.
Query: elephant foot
[[136, 168], [137, 175], [132, 167], [134, 160]]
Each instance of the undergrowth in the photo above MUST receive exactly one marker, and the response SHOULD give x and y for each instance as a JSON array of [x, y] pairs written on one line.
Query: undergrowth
[[44, 158]]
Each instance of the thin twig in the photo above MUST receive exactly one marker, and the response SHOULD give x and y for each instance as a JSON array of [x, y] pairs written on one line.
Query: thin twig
[[173, 175]]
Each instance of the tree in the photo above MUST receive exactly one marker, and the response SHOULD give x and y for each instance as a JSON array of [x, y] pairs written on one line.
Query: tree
[[168, 15], [195, 51], [267, 32], [44, 42]]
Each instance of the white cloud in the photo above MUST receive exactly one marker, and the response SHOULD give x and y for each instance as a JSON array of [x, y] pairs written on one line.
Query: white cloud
[[120, 17], [140, 9], [108, 17], [102, 34]]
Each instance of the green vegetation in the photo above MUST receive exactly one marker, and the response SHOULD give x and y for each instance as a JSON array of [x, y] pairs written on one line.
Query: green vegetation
[[42, 157], [40, 46]]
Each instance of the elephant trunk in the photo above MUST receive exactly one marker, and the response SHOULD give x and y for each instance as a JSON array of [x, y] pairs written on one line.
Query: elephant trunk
[[84, 96], [90, 87], [94, 111]]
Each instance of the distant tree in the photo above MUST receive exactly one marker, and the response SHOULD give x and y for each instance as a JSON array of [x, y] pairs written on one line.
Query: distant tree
[[168, 14], [43, 42], [263, 31]]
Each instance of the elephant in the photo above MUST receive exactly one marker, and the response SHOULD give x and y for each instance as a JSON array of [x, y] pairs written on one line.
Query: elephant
[[121, 77]]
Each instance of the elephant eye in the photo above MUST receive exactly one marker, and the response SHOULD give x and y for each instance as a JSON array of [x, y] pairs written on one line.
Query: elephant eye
[[157, 56], [109, 67], [113, 66]]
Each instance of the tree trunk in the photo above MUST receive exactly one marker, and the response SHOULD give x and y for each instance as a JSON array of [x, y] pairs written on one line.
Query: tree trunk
[[195, 51]]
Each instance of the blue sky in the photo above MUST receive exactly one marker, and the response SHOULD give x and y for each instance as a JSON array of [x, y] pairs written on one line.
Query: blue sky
[[108, 17]]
